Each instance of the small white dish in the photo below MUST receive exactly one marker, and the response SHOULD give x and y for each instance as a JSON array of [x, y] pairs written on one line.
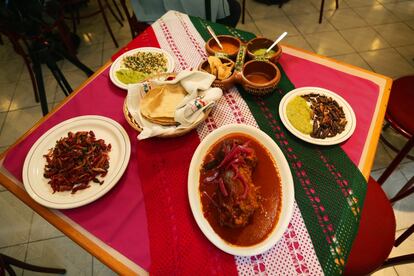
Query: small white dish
[[117, 64], [104, 128], [339, 138], [288, 192]]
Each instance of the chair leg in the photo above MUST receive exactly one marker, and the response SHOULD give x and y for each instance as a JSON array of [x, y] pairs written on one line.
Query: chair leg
[[107, 23], [337, 4], [407, 190], [113, 13], [398, 260], [397, 160], [404, 235], [243, 10], [118, 10], [11, 261], [321, 11]]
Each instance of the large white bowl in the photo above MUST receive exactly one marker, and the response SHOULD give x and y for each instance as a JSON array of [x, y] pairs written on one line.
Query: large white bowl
[[288, 193]]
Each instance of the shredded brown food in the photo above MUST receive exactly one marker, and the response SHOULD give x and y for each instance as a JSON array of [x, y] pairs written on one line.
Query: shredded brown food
[[75, 161]]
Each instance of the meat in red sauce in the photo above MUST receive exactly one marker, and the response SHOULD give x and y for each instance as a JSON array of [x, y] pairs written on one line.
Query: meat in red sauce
[[240, 190]]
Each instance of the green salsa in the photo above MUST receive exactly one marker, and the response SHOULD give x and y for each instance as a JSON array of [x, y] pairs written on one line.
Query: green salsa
[[128, 76], [299, 115], [262, 52]]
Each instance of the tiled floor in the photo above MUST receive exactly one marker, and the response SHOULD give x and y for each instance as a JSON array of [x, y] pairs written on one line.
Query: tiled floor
[[377, 35]]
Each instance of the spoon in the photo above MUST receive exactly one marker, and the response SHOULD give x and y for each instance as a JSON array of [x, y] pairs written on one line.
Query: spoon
[[282, 36], [210, 30]]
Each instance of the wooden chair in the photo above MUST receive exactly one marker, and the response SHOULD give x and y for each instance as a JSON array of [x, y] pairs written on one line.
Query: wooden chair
[[6, 262], [136, 27], [376, 235], [73, 7], [321, 9]]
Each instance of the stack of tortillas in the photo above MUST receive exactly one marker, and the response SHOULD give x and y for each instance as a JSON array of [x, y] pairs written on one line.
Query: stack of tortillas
[[160, 103]]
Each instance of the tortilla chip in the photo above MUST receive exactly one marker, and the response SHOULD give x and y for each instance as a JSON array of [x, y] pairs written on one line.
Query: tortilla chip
[[220, 70], [160, 103]]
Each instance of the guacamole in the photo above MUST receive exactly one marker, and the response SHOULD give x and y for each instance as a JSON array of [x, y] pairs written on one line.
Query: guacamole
[[128, 76], [299, 115], [262, 52]]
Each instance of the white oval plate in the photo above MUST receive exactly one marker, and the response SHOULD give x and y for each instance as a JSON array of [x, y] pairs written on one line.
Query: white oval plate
[[288, 192], [104, 128], [117, 63], [339, 138]]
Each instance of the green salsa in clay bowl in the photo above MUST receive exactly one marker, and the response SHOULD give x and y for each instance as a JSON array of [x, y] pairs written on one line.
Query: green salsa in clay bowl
[[256, 49]]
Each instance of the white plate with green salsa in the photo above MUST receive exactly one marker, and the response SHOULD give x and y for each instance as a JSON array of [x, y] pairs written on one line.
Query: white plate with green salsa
[[138, 64], [329, 120]]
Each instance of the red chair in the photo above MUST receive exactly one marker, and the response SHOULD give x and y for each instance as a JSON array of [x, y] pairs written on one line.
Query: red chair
[[399, 116], [376, 235]]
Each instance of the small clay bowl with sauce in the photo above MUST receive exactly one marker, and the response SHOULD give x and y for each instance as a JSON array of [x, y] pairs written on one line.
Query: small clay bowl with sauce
[[259, 77], [231, 46], [262, 43], [223, 84]]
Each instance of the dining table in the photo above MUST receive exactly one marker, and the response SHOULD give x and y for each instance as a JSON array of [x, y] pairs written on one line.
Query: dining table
[[144, 224]]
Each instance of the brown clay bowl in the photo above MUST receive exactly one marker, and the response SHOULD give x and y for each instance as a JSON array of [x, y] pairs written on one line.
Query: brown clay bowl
[[230, 44], [223, 84], [263, 43], [259, 77]]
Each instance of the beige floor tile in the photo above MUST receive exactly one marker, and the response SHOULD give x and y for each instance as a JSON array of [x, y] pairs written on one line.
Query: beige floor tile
[[402, 9], [354, 59], [60, 253], [297, 41], [261, 11], [76, 78], [3, 116], [364, 39], [24, 96], [18, 252], [398, 141], [360, 3], [382, 158], [99, 269], [389, 271], [308, 23], [249, 25], [299, 7], [376, 15], [329, 44], [7, 52], [10, 71], [329, 5], [15, 220], [407, 52], [396, 34], [90, 55], [407, 247], [410, 23], [271, 28], [345, 19], [17, 123], [388, 62], [408, 170], [6, 95], [41, 229]]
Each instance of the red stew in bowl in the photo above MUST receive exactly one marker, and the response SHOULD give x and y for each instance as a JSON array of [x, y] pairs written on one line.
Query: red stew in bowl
[[240, 190]]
